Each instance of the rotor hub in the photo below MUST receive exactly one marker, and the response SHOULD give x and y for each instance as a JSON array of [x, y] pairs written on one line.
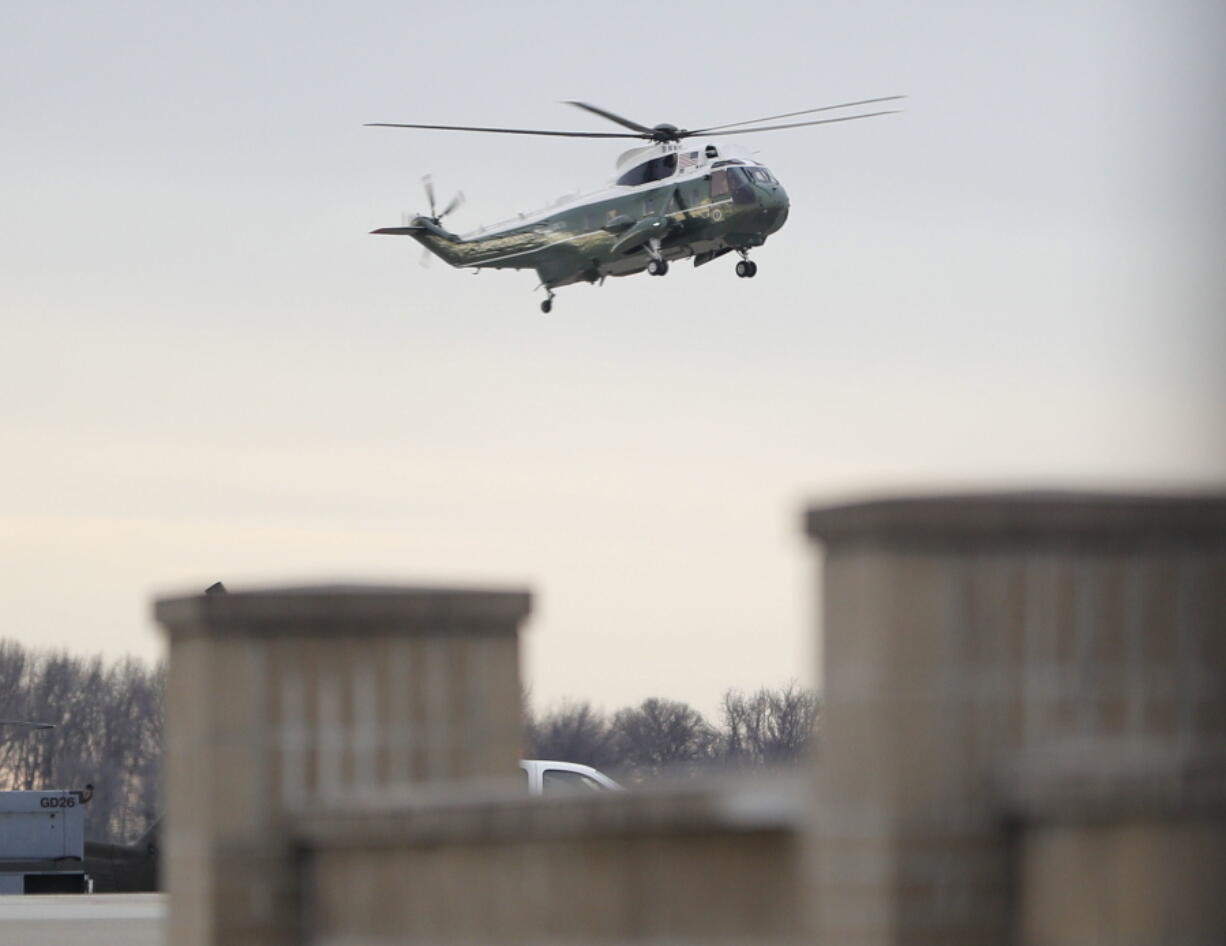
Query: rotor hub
[[665, 132]]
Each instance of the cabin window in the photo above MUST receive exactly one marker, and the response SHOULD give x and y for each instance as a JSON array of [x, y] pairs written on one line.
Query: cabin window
[[719, 183], [654, 170], [562, 782], [742, 193]]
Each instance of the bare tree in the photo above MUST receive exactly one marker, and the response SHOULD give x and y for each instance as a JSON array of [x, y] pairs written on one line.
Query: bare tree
[[765, 728], [661, 736], [573, 732], [14, 745], [108, 733], [768, 727]]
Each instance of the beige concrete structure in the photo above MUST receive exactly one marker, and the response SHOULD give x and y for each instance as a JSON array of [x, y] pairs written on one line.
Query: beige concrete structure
[[281, 701], [1023, 742], [989, 660], [716, 864], [1143, 880]]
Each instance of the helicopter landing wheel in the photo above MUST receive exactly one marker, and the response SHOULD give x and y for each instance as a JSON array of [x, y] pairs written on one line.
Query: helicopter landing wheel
[[547, 305], [657, 267], [746, 269]]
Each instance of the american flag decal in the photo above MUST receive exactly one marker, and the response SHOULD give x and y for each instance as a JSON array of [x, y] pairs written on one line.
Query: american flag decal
[[688, 160]]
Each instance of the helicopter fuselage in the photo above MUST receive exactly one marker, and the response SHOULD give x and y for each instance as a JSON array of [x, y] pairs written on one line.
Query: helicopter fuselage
[[668, 202], [671, 199]]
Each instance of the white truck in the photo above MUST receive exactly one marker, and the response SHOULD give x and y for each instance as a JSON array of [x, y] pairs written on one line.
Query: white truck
[[564, 778], [42, 842]]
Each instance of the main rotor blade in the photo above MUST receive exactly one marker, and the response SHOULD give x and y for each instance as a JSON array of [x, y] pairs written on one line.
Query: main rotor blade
[[807, 111], [604, 113], [820, 121], [508, 131]]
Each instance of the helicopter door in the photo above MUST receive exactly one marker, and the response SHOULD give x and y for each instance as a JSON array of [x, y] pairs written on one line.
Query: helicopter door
[[719, 184]]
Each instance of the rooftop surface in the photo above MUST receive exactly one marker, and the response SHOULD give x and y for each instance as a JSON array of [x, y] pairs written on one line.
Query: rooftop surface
[[133, 919]]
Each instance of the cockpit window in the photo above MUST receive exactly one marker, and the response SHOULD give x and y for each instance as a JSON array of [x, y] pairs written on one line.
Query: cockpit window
[[654, 170], [738, 179], [761, 175]]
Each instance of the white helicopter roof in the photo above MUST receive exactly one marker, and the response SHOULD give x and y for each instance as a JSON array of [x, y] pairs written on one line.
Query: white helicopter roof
[[700, 156], [636, 156]]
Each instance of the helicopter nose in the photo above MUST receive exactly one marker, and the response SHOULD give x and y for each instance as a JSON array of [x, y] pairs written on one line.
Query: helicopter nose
[[775, 206]]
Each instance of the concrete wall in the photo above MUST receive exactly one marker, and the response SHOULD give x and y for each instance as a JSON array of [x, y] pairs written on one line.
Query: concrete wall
[[973, 644], [1136, 881], [283, 700], [700, 865]]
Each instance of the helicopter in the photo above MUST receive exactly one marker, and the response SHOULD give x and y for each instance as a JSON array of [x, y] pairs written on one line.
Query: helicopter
[[670, 199]]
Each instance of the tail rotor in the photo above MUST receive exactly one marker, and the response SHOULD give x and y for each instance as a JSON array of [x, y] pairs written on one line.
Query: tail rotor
[[435, 216], [453, 205]]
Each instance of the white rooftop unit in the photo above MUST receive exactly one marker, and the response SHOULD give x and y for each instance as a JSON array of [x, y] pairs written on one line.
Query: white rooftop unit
[[42, 842]]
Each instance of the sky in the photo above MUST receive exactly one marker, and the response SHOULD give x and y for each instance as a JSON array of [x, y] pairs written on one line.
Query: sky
[[210, 370]]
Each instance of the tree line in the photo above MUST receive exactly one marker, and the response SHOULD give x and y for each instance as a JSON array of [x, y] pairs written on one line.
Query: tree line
[[107, 719], [766, 728]]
